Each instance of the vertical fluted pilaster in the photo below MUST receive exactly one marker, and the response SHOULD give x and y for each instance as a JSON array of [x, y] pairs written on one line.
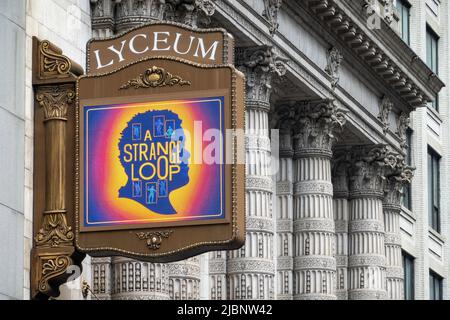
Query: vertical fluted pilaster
[[314, 231], [135, 280], [251, 270], [367, 261], [400, 176], [284, 117], [341, 216]]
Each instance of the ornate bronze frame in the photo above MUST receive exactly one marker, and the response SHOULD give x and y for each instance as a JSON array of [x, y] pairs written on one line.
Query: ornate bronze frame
[[54, 79]]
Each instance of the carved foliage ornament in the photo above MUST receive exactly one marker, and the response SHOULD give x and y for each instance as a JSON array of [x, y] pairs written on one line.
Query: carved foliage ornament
[[51, 268], [259, 65], [385, 110], [334, 59], [271, 8], [403, 124], [316, 125], [155, 77], [52, 62], [154, 239], [55, 231]]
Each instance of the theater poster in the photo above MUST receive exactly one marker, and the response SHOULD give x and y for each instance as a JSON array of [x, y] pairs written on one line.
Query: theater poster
[[158, 176]]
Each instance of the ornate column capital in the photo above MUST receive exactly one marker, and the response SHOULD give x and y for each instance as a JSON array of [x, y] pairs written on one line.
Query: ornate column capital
[[395, 184], [316, 125], [55, 100], [371, 167], [259, 64], [283, 118], [190, 12]]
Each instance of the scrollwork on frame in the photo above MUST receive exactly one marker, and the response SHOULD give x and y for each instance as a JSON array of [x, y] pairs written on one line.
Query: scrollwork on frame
[[52, 62], [55, 230], [155, 77], [154, 239], [51, 268]]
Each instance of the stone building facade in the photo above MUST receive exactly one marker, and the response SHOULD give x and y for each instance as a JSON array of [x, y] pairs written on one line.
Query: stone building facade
[[351, 101]]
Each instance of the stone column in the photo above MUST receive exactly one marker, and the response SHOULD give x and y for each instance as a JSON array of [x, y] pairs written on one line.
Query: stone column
[[218, 275], [184, 279], [251, 269], [101, 278], [284, 117], [135, 280], [367, 261], [314, 232], [341, 164], [392, 241]]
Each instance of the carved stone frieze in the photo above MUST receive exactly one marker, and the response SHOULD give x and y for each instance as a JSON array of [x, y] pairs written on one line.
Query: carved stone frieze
[[259, 224], [323, 225], [366, 260], [313, 187], [258, 183], [315, 263], [249, 265]]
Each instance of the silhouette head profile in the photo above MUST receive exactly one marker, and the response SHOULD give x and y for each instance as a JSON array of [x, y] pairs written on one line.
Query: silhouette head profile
[[153, 155]]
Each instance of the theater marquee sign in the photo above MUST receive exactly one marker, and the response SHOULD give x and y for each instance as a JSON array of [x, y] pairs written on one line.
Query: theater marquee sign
[[156, 171]]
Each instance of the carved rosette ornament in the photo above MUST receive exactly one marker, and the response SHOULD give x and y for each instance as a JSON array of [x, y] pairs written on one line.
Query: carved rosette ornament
[[271, 8], [334, 60], [385, 110]]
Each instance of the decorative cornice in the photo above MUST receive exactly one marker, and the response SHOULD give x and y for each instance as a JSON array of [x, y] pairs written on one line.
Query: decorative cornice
[[334, 15]]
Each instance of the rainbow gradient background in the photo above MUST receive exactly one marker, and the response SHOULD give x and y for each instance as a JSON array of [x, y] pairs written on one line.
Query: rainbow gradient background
[[203, 198]]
